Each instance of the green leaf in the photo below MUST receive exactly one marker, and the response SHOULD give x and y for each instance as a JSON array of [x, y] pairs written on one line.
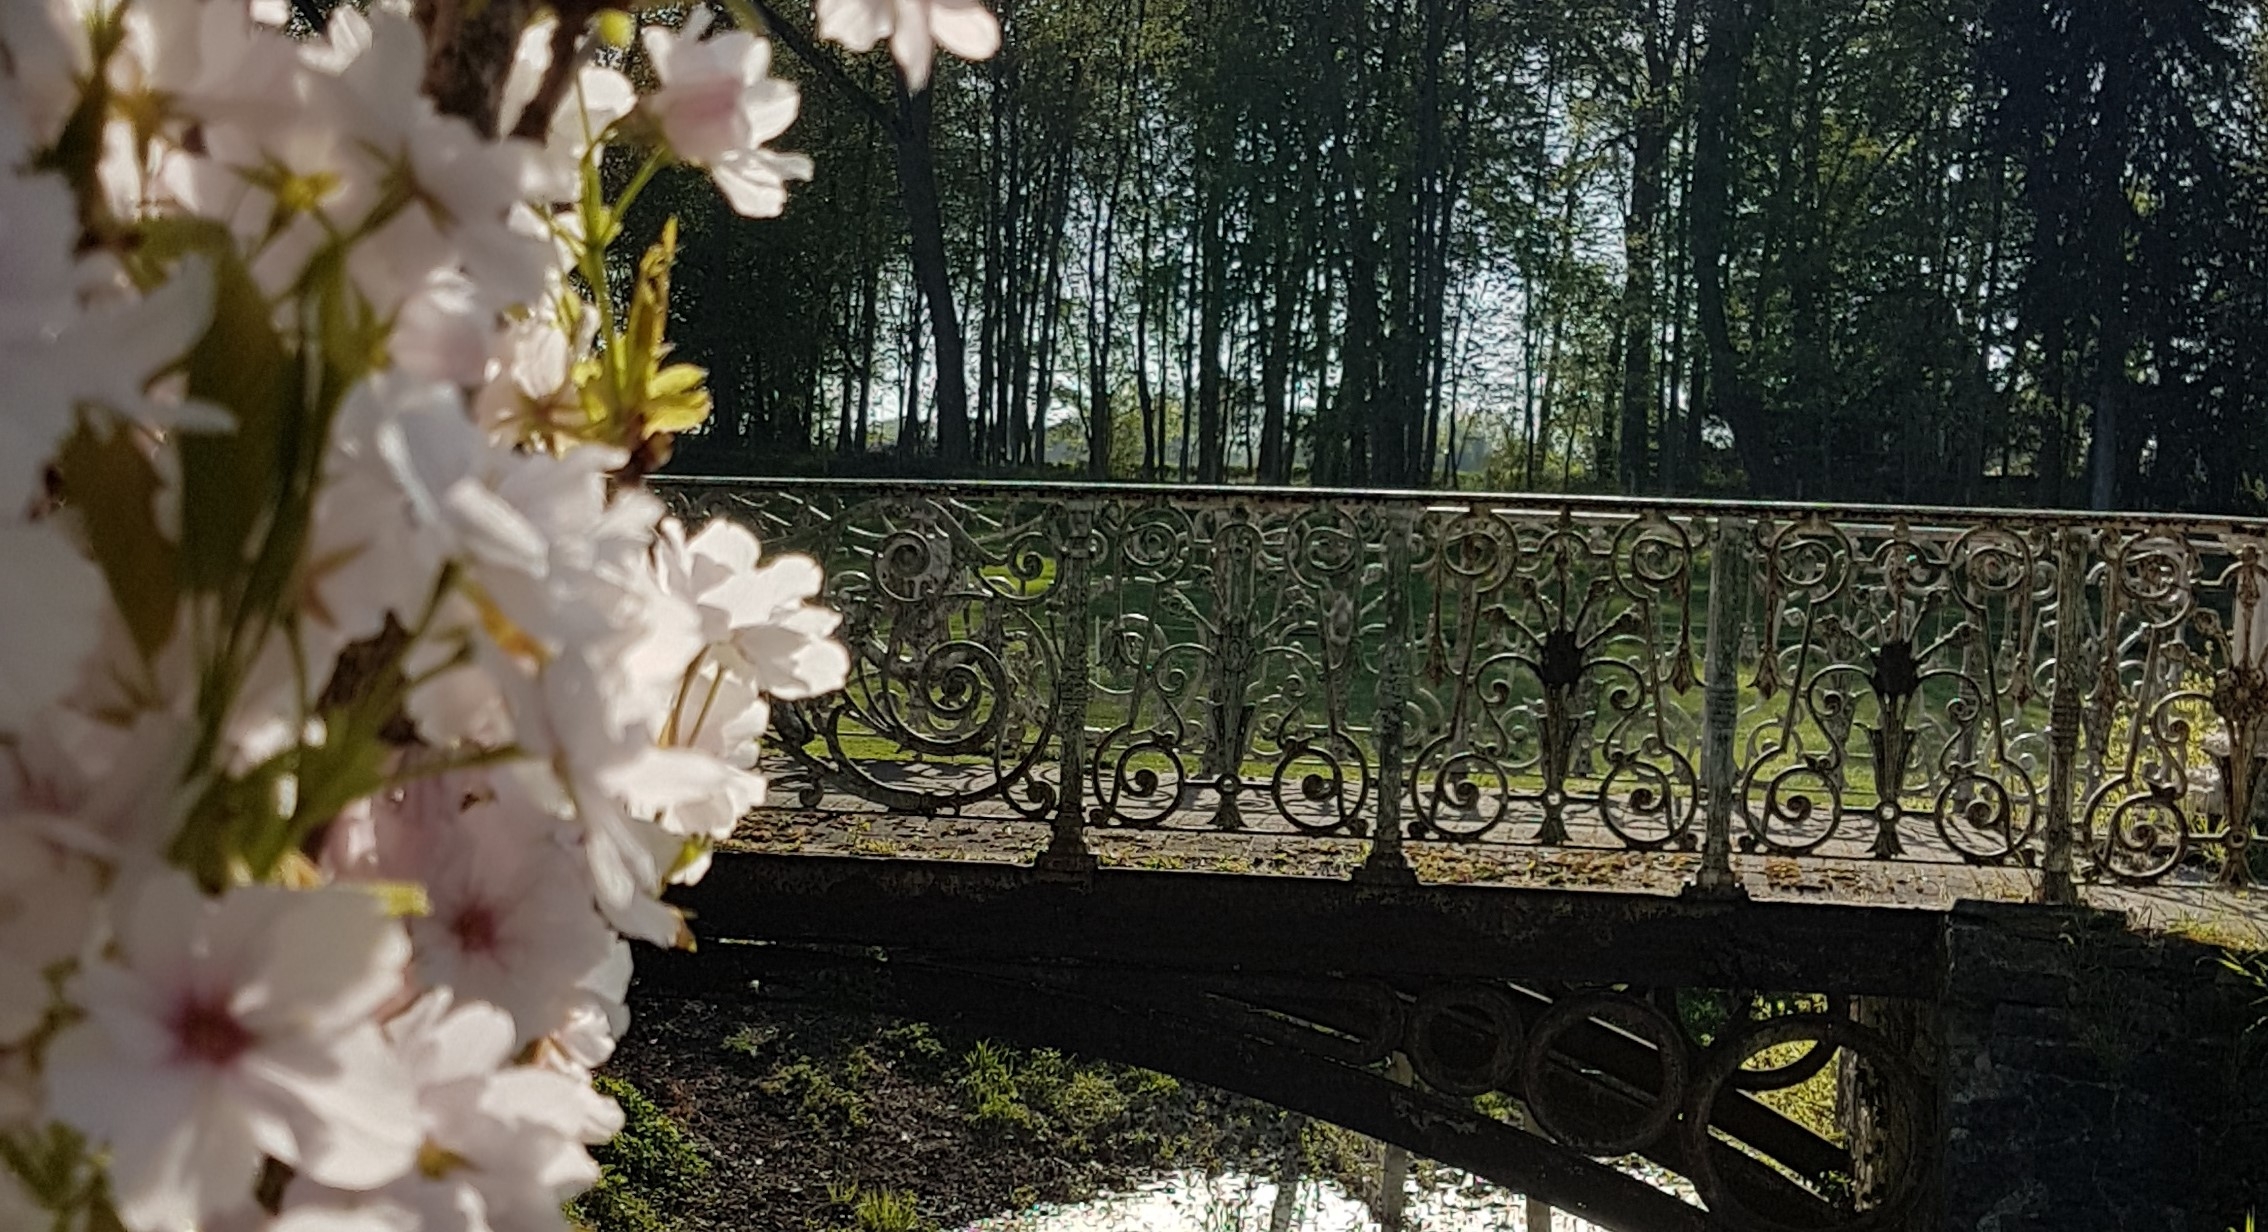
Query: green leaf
[[349, 764], [112, 485], [241, 364]]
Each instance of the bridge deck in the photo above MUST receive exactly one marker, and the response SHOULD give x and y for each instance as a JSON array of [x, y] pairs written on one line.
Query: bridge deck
[[2218, 914]]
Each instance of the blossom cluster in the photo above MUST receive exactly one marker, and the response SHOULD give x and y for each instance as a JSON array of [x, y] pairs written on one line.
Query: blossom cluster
[[356, 701]]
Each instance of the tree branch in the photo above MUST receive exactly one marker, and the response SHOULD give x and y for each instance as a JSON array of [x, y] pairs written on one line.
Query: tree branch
[[827, 66], [535, 118]]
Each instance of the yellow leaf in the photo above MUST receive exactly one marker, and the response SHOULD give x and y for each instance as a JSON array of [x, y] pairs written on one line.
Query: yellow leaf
[[676, 401], [402, 899], [676, 379]]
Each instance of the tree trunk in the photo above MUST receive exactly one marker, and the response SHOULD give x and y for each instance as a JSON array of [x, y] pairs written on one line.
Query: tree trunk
[[1274, 463], [1153, 418], [910, 433], [1102, 311], [2109, 225], [1732, 397], [1212, 326], [917, 184], [1649, 153], [869, 325]]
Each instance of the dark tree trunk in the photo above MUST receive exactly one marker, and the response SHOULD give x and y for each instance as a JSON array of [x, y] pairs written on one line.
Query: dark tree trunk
[[917, 184], [869, 325], [1732, 396], [1047, 298], [1641, 241]]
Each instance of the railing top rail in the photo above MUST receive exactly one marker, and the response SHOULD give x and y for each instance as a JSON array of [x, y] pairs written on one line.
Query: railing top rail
[[2193, 524]]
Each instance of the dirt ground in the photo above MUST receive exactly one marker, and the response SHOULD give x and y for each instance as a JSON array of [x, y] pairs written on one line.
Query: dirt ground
[[801, 1115]]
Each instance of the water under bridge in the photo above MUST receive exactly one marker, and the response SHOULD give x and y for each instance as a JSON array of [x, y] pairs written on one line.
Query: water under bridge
[[1537, 833]]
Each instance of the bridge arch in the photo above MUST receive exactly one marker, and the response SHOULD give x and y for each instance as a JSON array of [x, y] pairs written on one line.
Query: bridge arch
[[1607, 1071]]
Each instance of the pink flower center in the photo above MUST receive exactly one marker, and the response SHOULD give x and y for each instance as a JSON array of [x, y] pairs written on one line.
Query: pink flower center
[[702, 115], [711, 101], [204, 1031], [475, 929]]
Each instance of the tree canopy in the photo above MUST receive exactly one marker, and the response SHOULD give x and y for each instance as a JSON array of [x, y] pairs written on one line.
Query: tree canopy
[[1926, 251]]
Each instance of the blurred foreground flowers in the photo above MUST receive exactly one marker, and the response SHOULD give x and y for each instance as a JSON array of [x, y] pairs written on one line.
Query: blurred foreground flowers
[[355, 701]]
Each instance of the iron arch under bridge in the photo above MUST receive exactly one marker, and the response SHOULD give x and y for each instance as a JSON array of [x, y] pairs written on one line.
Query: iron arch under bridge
[[1712, 690], [1295, 990]]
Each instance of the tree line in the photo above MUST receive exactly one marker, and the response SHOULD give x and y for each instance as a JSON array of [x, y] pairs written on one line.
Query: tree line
[[1932, 251]]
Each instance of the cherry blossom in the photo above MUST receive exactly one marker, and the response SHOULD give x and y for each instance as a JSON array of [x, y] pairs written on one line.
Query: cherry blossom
[[334, 777], [47, 903], [915, 28], [52, 606], [230, 1029], [585, 115], [531, 379], [59, 351], [502, 1145], [509, 919], [717, 106]]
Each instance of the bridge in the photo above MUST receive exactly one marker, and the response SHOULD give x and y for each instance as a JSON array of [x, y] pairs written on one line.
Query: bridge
[[1537, 834]]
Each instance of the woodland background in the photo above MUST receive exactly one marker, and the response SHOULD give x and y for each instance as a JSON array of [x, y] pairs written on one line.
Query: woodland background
[[2004, 252]]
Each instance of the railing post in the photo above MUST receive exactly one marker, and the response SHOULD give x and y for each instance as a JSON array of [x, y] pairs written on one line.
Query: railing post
[[1386, 863], [2240, 697], [2056, 884], [1720, 703], [1067, 855]]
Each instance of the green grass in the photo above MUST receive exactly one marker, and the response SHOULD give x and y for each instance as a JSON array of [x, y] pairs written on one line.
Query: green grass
[[842, 1081], [827, 1098], [2217, 932], [651, 1168], [875, 1210], [1043, 1096]]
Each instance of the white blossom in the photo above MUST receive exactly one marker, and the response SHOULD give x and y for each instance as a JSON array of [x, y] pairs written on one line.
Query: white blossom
[[47, 911], [465, 584], [444, 331], [509, 917], [760, 618], [915, 28], [230, 1029], [51, 606], [48, 56], [531, 382], [501, 1145], [717, 105], [597, 1019], [60, 352], [599, 97]]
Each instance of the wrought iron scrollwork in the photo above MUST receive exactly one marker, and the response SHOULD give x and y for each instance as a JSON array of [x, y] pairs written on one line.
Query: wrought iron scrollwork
[[1906, 685]]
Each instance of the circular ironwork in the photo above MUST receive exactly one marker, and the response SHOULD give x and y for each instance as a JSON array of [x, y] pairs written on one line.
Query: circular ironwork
[[1638, 1019], [1717, 1070], [1640, 801], [1790, 820], [2144, 837], [1453, 1008], [1739, 1007], [1981, 819]]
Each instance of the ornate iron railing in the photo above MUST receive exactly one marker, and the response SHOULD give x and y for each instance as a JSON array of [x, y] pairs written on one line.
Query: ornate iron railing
[[2078, 693]]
